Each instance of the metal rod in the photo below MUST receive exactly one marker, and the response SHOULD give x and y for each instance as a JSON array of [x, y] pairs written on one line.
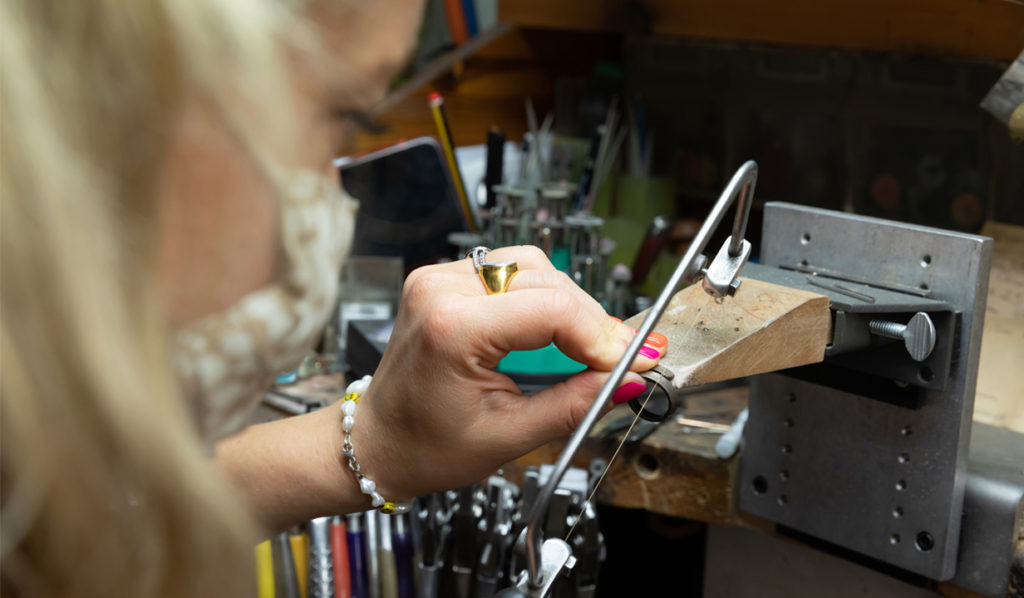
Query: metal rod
[[745, 178], [743, 181]]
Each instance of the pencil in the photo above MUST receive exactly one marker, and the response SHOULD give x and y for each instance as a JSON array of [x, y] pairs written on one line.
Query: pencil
[[445, 137], [300, 555], [264, 570]]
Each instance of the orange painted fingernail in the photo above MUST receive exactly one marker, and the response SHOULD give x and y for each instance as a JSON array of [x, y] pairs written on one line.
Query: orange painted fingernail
[[658, 341], [619, 320]]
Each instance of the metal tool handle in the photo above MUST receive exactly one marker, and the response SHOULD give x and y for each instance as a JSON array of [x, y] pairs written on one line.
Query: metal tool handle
[[742, 184], [429, 578], [388, 574], [286, 581], [321, 569], [373, 577]]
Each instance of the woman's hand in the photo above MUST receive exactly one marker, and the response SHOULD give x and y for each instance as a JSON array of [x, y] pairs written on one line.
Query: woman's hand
[[438, 416]]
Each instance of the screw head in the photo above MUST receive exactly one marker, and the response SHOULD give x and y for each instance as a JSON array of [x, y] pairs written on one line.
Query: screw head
[[919, 336]]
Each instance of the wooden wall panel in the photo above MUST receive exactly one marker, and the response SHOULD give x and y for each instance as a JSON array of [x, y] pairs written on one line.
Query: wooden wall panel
[[968, 28]]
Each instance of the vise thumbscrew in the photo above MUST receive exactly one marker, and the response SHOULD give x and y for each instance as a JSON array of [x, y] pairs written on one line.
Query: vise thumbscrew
[[918, 334]]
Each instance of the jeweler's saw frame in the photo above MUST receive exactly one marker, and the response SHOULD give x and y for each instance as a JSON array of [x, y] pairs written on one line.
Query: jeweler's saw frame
[[548, 558]]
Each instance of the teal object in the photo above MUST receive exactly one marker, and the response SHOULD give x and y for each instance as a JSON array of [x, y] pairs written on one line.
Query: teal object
[[560, 258], [549, 360], [287, 377]]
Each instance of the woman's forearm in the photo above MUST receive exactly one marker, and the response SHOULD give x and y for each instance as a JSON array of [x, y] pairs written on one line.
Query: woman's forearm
[[289, 471]]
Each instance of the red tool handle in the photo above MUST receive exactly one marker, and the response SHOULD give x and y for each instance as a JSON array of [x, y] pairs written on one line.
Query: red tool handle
[[339, 552]]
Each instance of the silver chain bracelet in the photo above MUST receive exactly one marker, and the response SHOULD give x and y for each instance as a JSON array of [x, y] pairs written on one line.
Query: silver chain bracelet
[[348, 421]]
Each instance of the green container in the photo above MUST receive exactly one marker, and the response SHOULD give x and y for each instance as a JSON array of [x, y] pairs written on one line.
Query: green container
[[549, 361], [637, 201], [640, 199]]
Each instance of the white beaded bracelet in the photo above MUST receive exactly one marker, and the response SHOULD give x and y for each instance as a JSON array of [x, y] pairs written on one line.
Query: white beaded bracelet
[[348, 421]]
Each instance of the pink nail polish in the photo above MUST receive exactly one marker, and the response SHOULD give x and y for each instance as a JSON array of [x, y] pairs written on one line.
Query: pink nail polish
[[649, 352], [630, 390]]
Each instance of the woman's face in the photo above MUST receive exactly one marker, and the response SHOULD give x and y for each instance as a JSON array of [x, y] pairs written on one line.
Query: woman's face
[[218, 219]]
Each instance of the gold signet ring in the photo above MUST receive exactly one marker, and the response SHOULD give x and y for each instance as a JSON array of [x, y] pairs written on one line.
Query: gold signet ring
[[497, 277]]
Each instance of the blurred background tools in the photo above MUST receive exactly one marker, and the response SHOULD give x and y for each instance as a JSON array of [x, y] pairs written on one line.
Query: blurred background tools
[[456, 543]]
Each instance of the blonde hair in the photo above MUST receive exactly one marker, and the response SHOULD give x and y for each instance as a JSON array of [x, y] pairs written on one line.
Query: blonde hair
[[106, 489]]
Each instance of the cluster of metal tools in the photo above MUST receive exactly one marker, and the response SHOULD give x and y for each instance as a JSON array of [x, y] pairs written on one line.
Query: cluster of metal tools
[[466, 539], [457, 543], [540, 206], [540, 215]]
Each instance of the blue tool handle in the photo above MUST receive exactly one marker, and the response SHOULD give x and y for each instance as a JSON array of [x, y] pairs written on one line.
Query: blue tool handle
[[402, 545], [357, 562]]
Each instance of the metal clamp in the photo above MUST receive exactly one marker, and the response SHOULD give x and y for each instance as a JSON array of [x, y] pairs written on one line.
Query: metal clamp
[[722, 272], [720, 277], [556, 559]]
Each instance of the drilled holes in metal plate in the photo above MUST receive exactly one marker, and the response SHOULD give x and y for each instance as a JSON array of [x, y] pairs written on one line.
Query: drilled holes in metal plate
[[924, 541], [647, 466]]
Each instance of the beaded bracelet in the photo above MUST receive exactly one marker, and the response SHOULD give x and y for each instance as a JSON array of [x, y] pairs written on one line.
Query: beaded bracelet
[[366, 485]]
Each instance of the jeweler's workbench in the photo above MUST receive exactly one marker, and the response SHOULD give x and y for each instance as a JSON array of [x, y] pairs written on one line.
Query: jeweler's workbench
[[675, 471], [672, 471], [855, 462], [886, 453]]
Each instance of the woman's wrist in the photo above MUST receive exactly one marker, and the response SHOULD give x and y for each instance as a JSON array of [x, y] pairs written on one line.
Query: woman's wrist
[[366, 457]]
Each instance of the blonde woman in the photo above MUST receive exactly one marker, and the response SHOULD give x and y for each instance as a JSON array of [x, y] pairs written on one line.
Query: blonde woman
[[171, 237]]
